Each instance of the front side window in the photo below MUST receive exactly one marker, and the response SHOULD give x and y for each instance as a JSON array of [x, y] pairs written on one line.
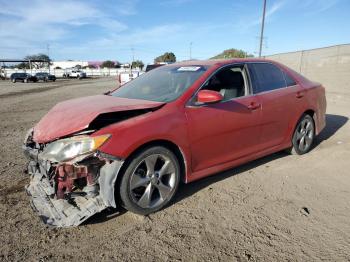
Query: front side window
[[230, 82], [163, 84], [266, 77]]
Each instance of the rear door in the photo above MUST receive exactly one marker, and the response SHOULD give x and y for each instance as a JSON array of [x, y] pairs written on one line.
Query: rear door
[[278, 100]]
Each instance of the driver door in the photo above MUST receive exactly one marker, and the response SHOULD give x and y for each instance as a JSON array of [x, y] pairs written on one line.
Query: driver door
[[227, 130]]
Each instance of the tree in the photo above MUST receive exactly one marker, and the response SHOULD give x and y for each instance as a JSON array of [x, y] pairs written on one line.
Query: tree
[[89, 66], [232, 53], [137, 63], [23, 65], [108, 64], [168, 57], [38, 57]]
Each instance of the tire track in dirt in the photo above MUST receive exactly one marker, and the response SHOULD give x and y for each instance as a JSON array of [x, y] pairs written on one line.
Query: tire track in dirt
[[45, 88]]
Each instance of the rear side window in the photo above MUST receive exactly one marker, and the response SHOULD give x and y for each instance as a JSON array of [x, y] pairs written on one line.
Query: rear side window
[[289, 81], [266, 77]]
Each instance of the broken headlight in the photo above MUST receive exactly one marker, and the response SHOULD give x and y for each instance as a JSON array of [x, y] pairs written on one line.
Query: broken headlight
[[69, 148]]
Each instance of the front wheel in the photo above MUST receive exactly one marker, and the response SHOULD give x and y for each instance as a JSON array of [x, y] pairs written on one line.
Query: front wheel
[[150, 180], [303, 136]]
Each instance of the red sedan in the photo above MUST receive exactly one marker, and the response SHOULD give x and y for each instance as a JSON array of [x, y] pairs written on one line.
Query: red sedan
[[179, 122]]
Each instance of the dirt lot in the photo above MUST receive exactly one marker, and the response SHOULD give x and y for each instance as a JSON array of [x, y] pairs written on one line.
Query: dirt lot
[[280, 207]]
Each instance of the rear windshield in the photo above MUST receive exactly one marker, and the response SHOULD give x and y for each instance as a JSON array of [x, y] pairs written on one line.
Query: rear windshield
[[163, 84]]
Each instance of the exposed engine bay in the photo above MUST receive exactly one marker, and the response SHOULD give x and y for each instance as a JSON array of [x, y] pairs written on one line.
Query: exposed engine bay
[[66, 190], [71, 179]]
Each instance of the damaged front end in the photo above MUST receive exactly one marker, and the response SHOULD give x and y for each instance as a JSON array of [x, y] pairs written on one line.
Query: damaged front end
[[71, 180]]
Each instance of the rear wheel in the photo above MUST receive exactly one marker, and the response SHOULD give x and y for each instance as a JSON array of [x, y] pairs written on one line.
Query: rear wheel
[[303, 136], [150, 180]]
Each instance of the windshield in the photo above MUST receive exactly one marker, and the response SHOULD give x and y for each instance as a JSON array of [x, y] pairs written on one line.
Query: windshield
[[163, 84]]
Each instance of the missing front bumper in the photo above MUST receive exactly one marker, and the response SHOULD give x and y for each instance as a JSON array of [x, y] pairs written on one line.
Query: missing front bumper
[[60, 212], [76, 208]]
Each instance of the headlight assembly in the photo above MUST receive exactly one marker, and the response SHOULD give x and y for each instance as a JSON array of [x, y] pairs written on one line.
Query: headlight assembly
[[69, 148]]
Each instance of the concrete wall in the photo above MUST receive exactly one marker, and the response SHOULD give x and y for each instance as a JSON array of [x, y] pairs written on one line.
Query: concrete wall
[[329, 66]]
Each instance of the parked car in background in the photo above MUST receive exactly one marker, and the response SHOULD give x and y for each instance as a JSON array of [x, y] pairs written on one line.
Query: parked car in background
[[179, 122], [23, 77], [125, 77], [75, 73], [43, 76], [153, 66]]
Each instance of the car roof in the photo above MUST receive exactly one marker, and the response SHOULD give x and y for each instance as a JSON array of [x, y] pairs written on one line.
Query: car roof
[[220, 62]]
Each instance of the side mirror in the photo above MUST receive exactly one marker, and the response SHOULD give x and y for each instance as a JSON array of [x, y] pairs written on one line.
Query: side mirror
[[208, 96]]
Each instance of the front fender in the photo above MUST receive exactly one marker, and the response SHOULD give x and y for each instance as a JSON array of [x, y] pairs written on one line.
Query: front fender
[[107, 179]]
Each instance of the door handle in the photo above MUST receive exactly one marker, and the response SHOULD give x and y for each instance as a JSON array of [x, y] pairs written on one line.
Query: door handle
[[299, 94], [253, 106]]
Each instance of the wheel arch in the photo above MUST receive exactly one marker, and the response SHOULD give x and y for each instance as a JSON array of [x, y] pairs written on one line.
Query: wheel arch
[[179, 153], [294, 123], [312, 113]]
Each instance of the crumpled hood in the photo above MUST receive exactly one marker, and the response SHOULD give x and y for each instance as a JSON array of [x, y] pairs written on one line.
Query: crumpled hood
[[74, 115]]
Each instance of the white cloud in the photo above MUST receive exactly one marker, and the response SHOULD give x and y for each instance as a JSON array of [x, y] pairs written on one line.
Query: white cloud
[[316, 6], [33, 25], [175, 2], [270, 11]]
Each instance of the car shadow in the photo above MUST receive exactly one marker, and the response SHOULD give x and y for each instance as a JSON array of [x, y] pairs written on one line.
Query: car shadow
[[186, 190], [333, 124], [105, 215]]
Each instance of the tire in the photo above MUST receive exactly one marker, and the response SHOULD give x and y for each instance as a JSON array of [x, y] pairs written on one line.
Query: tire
[[14, 80], [150, 180], [303, 136], [25, 80]]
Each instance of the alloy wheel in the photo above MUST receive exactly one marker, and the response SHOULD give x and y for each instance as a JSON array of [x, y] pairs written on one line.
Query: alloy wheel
[[153, 181], [304, 134]]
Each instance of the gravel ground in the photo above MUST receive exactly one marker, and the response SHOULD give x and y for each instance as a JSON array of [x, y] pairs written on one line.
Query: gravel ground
[[280, 207]]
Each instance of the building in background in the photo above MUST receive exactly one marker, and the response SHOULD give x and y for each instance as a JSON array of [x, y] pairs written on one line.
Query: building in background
[[68, 64], [82, 64]]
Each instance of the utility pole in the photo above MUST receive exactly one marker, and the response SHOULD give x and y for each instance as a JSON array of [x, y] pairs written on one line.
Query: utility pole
[[262, 28], [190, 50], [133, 58], [133, 54], [48, 55]]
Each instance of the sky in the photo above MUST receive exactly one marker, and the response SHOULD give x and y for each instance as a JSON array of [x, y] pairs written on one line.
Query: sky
[[119, 30]]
